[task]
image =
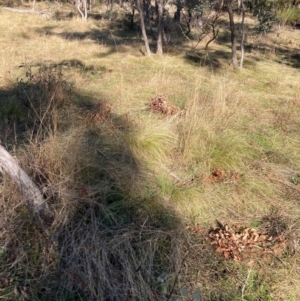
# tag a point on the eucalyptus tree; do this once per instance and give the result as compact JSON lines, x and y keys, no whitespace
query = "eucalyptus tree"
{"x":232,"y":34}
{"x":141,"y":10}
{"x":81,"y":6}
{"x":242,"y":7}
{"x":270,"y":12}
{"x":160,"y":27}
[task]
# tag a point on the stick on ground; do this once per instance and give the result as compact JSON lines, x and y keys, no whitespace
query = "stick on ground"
{"x":26,"y":186}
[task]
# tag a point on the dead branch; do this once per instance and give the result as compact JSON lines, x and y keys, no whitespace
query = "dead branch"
{"x":42,"y":14}
{"x":26,"y":186}
{"x":20,"y":10}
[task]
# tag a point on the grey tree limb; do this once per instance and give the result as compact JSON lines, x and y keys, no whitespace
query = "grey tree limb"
{"x":82,"y":4}
{"x":143,"y":29}
{"x":26,"y":186}
{"x":19,"y":10}
{"x":22,"y":10}
{"x":160,"y":9}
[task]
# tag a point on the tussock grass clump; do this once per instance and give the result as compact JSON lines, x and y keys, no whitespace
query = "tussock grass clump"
{"x":153,"y":141}
{"x":36,"y":106}
{"x":209,"y":135}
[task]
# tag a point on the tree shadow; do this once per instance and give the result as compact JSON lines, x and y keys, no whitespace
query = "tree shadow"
{"x":113,"y":234}
{"x":75,"y":65}
{"x":215,"y":60}
{"x":118,"y":37}
{"x":61,"y":15}
{"x":114,"y":39}
{"x":288,"y":57}
{"x":280,"y":54}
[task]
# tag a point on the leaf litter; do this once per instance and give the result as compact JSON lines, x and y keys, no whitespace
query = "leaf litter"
{"x":243,"y":244}
{"x":160,"y":104}
{"x":218,"y":175}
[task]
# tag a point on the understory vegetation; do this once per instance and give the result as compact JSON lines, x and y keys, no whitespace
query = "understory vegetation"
{"x":170,"y":177}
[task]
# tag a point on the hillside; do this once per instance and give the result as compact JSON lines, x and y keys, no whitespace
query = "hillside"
{"x":170,"y":177}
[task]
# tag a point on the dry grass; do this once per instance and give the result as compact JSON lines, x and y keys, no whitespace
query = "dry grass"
{"x":124,"y":181}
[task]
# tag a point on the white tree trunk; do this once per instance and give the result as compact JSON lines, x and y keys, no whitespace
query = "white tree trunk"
{"x":143,"y":29}
{"x":22,"y":10}
{"x":28,"y":189}
{"x":82,"y":4}
{"x":159,"y":46}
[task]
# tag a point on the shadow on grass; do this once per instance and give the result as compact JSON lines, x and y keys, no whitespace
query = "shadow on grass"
{"x":212,"y":59}
{"x":117,"y":37}
{"x":112,"y":236}
{"x":217,"y":59}
{"x":75,"y":65}
{"x":61,"y":15}
{"x":280,"y":54}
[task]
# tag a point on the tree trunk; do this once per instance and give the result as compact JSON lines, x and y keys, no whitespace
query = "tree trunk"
{"x":28,"y":189}
{"x":85,"y":10}
{"x":111,"y":4}
{"x":90,"y":4}
{"x":81,"y":4}
{"x":160,"y":29}
{"x":147,"y":8}
{"x":177,"y":14}
{"x":188,"y":22}
{"x":243,"y":34}
{"x":233,"y":35}
{"x":143,"y":28}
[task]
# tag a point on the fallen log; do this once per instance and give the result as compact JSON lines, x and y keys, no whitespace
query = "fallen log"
{"x":19,"y":10}
{"x":28,"y":189}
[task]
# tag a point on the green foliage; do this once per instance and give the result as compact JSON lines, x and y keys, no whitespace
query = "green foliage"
{"x":296,"y":179}
{"x":263,"y":10}
{"x":288,"y":15}
{"x":195,"y":7}
{"x":268,"y":12}
{"x":255,"y":289}
{"x":200,"y":7}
